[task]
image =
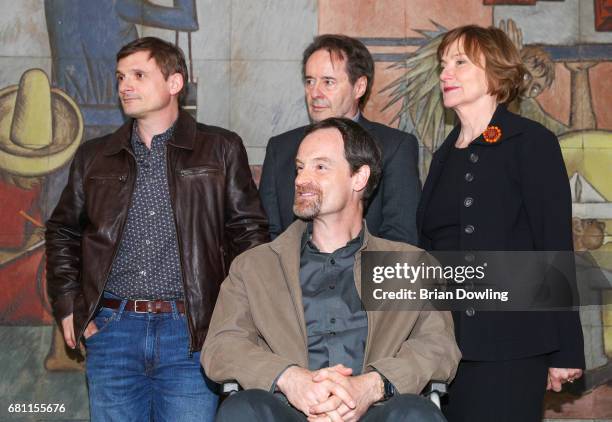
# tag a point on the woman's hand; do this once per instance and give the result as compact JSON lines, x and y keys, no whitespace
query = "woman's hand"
{"x":558,"y":376}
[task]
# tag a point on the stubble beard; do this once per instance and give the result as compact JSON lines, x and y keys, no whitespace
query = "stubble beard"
{"x":307,"y":208}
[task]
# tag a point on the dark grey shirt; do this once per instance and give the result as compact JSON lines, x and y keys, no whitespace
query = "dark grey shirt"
{"x":336,"y":323}
{"x":147,"y":263}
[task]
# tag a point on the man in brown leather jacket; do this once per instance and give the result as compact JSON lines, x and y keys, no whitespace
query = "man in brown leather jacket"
{"x":140,"y":242}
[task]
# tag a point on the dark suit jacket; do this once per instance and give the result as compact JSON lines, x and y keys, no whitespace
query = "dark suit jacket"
{"x":521,"y":201}
{"x":391,"y":213}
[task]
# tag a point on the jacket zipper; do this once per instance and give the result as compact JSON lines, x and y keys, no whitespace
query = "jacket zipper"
{"x":180,"y":251}
{"x":121,"y":178}
{"x":223,"y":265}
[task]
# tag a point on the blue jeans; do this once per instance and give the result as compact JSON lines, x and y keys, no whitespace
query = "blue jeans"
{"x":139,"y":369}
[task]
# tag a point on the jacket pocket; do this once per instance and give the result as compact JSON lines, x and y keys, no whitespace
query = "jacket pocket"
{"x":104,"y":178}
{"x":200,"y":170}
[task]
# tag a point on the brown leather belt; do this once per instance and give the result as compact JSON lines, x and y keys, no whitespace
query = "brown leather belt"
{"x":145,"y":306}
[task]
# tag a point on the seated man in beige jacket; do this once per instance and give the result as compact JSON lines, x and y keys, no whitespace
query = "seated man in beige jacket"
{"x":289,"y":324}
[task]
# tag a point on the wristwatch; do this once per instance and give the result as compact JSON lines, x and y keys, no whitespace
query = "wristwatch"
{"x":389,"y":389}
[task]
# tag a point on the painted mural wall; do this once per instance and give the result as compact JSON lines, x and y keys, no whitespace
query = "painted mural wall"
{"x":567,"y":49}
{"x":57,"y":90}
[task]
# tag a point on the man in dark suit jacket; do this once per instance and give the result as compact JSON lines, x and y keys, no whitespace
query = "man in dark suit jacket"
{"x":338,"y":73}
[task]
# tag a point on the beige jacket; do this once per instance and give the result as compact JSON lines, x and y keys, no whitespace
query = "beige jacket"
{"x":258,"y":329}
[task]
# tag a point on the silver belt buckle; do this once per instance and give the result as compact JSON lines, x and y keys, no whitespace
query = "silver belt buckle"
{"x":136,"y":306}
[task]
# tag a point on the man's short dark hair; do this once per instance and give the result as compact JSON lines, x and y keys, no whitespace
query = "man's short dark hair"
{"x":356,"y":56}
{"x":169,"y":58}
{"x":360,"y":149}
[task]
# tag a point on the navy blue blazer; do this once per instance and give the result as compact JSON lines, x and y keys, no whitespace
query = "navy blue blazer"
{"x":515,"y":197}
{"x":391,"y":213}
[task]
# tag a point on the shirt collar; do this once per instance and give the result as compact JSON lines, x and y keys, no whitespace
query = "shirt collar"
{"x":160,"y":138}
{"x":351,"y":247}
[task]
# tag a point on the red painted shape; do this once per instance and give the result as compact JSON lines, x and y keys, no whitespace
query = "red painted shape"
{"x":500,"y":2}
{"x":14,"y":228}
{"x":603,"y":15}
{"x":23,"y":299}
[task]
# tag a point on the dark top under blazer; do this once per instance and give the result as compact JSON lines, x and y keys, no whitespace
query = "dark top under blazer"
{"x":391,"y":213}
{"x":521,"y":202}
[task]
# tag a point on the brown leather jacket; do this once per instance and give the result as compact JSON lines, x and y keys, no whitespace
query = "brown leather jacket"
{"x":216,"y":210}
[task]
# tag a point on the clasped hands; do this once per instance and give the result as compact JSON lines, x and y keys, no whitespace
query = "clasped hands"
{"x":331,"y":394}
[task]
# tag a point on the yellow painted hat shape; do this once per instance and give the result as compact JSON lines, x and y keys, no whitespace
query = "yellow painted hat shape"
{"x":40,"y":127}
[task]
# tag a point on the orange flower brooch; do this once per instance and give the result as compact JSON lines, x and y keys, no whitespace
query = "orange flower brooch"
{"x":492,"y":134}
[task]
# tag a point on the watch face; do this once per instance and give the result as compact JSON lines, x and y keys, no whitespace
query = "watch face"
{"x":389,"y":389}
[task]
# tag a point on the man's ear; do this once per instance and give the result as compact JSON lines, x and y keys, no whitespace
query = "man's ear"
{"x":359,"y":89}
{"x":175,"y":83}
{"x":360,"y":178}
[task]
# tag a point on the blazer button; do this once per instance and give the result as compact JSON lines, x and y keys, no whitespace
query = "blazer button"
{"x":469,"y":257}
{"x":469,"y":229}
{"x":468,"y":201}
{"x":470,"y":312}
{"x":469,"y":177}
{"x":474,"y":157}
